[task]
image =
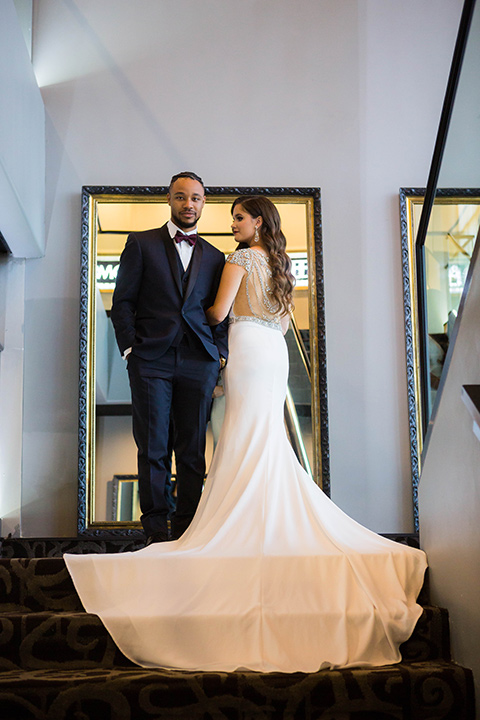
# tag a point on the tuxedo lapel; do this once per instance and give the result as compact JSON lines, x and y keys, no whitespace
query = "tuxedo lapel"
{"x":172,"y":258}
{"x":195,"y":263}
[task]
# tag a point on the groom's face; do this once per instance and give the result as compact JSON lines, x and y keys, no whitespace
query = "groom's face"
{"x":186,"y":199}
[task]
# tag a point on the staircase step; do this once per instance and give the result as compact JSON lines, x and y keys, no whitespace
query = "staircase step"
{"x":45,"y":640}
{"x":106,"y":542}
{"x":79,"y":640}
{"x":430,"y":639}
{"x":58,"y":662}
{"x":436,"y":691}
{"x":36,"y":584}
{"x":42,"y":585}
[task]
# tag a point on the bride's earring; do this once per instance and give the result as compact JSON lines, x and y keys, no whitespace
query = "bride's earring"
{"x":256,"y":237}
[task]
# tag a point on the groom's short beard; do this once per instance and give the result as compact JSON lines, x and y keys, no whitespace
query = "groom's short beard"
{"x":183,"y":224}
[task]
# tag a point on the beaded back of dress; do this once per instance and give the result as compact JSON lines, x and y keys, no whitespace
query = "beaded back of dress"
{"x":254,"y":300}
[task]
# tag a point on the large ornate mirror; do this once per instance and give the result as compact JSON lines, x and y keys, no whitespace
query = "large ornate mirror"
{"x":451,"y":235}
{"x":108,"y":497}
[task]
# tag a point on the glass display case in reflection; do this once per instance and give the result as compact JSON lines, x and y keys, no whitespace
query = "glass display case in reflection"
{"x":107,"y":450}
{"x":452,"y":231}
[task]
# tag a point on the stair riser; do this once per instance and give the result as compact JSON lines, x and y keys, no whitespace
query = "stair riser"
{"x":415,"y":692}
{"x":37,"y":585}
{"x":430,"y":639}
{"x":39,"y":641}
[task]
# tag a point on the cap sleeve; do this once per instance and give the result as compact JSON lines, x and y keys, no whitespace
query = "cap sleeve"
{"x":241,"y":257}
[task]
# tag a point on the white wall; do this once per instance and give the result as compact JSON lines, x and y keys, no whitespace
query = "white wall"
{"x":449,"y":495}
{"x":342,"y":95}
{"x":22,"y":143}
{"x":12,"y":289}
{"x":22,"y":212}
{"x":24,"y":10}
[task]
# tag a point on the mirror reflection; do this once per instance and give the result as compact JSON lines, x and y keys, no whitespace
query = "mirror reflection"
{"x":451,"y":235}
{"x":108,"y":494}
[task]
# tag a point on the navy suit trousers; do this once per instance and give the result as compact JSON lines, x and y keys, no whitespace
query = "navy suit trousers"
{"x":171,"y":402}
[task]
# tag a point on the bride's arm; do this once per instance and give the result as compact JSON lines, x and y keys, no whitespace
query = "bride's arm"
{"x":285,"y":322}
{"x":230,"y":282}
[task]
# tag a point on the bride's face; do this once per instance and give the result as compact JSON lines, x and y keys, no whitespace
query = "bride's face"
{"x":243,"y":225}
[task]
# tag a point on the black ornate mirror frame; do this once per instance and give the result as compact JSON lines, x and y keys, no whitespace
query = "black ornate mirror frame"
{"x":317,"y":316}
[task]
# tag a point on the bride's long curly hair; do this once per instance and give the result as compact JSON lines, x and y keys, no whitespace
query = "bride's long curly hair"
{"x":275,"y":243}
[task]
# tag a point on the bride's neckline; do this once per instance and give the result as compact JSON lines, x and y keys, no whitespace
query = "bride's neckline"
{"x":259,"y":252}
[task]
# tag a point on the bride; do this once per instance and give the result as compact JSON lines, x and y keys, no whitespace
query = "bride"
{"x":270,"y":575}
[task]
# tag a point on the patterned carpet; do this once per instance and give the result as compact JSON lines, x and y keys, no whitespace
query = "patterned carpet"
{"x":58,"y":663}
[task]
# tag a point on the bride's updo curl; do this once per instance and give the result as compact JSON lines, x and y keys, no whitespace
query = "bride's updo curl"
{"x":275,"y":243}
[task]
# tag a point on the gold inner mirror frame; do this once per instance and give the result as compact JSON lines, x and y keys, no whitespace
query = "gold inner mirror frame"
{"x":107,"y":453}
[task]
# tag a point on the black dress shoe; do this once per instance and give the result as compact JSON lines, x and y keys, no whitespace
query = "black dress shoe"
{"x":160,"y":536}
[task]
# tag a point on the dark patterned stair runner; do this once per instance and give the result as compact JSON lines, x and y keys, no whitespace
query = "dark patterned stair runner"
{"x":59,"y":663}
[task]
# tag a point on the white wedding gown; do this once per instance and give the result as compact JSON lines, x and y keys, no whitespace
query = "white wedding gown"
{"x":270,"y":575}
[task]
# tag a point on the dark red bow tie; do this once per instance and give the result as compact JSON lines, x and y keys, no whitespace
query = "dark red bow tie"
{"x":192,"y":239}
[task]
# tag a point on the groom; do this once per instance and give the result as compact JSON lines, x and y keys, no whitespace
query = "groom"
{"x":167,"y":278}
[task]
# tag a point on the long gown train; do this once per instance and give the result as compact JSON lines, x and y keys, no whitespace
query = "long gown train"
{"x":271,"y":575}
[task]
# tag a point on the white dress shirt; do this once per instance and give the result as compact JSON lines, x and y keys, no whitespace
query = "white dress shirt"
{"x":184,"y":249}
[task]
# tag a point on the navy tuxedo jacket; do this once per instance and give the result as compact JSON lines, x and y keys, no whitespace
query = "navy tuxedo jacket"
{"x":150,"y":303}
